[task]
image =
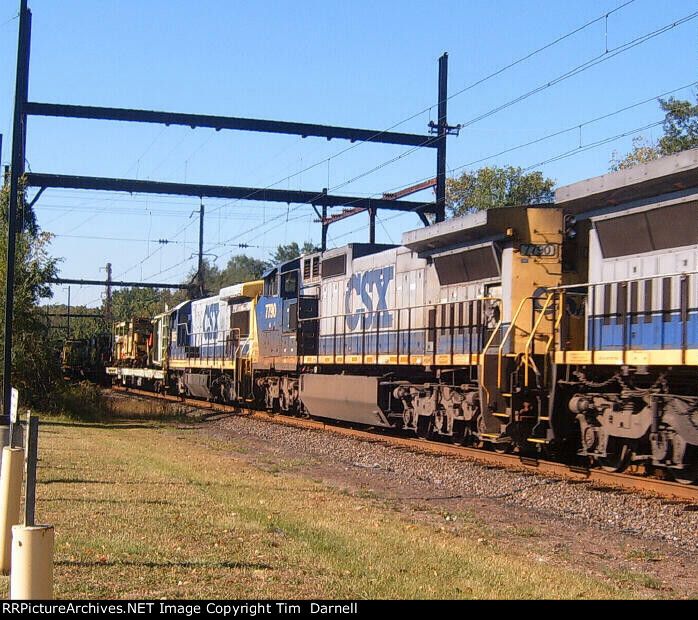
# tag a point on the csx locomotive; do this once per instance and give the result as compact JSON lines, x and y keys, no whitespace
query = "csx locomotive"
{"x":564,"y":328}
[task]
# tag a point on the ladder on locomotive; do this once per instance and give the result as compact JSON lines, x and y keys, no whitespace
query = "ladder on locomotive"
{"x":516,"y":384}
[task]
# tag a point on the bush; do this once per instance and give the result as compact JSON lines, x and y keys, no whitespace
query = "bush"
{"x":81,"y":401}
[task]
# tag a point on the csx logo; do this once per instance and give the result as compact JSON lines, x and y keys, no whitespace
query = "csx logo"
{"x":270,"y":311}
{"x":363,"y":285}
{"x":210,"y":322}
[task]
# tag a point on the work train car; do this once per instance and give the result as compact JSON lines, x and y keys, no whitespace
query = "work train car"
{"x":569,"y":328}
{"x":87,"y":358}
{"x":132,"y":341}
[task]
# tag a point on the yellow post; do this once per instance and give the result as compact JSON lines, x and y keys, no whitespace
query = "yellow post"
{"x":10,"y":494}
{"x":32,"y":562}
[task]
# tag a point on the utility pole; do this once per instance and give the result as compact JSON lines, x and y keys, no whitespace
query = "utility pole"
{"x":107,"y":309}
{"x":442,"y":129}
{"x":323,"y":245}
{"x":200,"y":274}
{"x":16,"y":171}
{"x":441,"y":147}
{"x":68,"y":315}
{"x":325,"y":225}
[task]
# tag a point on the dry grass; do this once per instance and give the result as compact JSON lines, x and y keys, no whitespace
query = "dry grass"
{"x":144,"y":509}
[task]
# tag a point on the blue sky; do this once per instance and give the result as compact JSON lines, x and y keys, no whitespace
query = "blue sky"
{"x":360,"y":64}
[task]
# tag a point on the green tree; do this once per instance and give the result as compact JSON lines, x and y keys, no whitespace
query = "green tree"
{"x":643,"y":151}
{"x":291,"y":250}
{"x":495,"y":186}
{"x":242,"y":268}
{"x":129,"y":302}
{"x":35,"y":364}
{"x":680,"y":128}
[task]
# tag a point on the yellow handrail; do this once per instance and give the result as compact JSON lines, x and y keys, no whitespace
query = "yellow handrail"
{"x":529,"y":342}
{"x":512,"y":325}
{"x":495,"y":331}
{"x":555,"y":330}
{"x":558,"y":320}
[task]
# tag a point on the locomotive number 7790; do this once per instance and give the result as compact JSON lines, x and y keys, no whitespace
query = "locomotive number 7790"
{"x":538,"y":249}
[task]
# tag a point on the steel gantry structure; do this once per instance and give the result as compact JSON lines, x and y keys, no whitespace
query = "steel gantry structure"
{"x":24,"y":108}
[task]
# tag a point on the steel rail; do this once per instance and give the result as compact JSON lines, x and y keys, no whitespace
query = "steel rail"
{"x":618,"y":481}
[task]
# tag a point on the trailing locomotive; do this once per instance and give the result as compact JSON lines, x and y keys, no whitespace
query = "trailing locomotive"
{"x":632,"y":386}
{"x":566,"y":328}
{"x":202,"y":348}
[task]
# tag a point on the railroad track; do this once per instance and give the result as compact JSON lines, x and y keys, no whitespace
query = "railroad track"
{"x":595,"y":477}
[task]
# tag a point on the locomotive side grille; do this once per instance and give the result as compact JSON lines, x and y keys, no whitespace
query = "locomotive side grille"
{"x":336,"y":266}
{"x":666,"y":300}
{"x":468,"y":266}
{"x":657,"y":229}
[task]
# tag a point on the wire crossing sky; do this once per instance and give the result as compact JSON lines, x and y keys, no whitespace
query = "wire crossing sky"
{"x":545,"y":85}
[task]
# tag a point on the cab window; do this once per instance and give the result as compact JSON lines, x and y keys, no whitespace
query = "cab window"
{"x":270,"y":287}
{"x":289,"y":284}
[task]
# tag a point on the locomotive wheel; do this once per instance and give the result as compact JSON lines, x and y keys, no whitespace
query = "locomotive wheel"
{"x":618,"y":457}
{"x":689,"y":474}
{"x":425,"y":427}
{"x":502,"y":448}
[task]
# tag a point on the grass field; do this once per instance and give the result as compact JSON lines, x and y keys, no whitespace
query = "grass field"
{"x":152,"y":509}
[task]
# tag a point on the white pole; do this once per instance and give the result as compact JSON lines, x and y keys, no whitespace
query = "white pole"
{"x":10,"y":494}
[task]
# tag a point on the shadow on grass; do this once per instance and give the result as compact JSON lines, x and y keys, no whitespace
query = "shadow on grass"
{"x":88,"y":481}
{"x":134,"y":482}
{"x":88,"y":500}
{"x":126,"y":425}
{"x":93,"y":564}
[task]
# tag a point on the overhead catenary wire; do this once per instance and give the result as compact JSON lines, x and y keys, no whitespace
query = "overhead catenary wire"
{"x":583,"y":67}
{"x":463,"y":90}
{"x":593,"y":145}
{"x":158,"y":241}
{"x":554,"y":134}
{"x":112,"y":199}
{"x":575,"y":71}
{"x":378,"y":167}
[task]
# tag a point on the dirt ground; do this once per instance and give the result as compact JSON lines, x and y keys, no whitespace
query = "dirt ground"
{"x":590,"y":549}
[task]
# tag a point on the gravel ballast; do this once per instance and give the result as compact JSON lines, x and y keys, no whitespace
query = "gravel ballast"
{"x":651,"y":518}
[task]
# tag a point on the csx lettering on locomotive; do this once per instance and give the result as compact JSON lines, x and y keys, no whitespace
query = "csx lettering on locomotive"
{"x":362,"y":284}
